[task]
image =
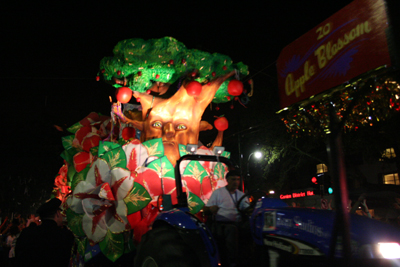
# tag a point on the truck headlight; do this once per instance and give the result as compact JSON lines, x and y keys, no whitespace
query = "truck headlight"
{"x":389,"y":250}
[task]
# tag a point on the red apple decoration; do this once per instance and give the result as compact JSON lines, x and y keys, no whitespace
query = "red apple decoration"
{"x":171,"y":62}
{"x":221,"y":124}
{"x":235,"y":87}
{"x":128,"y":133}
{"x":123,"y":94}
{"x":193,"y":88}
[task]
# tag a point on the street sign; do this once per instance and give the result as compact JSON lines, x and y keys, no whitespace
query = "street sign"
{"x":351,"y":42}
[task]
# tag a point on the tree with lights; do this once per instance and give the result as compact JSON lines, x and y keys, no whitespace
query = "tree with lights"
{"x":143,"y":64}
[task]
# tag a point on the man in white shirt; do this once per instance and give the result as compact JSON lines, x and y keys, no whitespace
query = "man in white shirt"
{"x":222,"y":205}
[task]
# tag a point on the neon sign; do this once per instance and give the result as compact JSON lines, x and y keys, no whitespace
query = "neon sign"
{"x":307,"y":193}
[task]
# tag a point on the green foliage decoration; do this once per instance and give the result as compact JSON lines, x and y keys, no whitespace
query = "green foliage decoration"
{"x":112,"y":245}
{"x":142,"y":62}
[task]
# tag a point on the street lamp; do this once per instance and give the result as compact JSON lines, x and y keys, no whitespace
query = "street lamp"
{"x":257,"y":155}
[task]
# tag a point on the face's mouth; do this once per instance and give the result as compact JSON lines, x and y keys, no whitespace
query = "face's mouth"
{"x":172,"y":143}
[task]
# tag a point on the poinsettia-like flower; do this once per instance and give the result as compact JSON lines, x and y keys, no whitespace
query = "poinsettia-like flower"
{"x":219,"y":175}
{"x":91,"y":130}
{"x":101,"y":198}
{"x":201,"y":181}
{"x":156,"y":186}
{"x":61,"y":179}
{"x":207,"y":165}
{"x":136,"y":154}
{"x":61,"y":187}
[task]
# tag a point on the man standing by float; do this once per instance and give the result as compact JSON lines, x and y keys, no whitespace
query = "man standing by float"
{"x":222,"y":205}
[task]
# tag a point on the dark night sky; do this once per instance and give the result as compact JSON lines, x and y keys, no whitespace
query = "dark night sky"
{"x":50,"y":53}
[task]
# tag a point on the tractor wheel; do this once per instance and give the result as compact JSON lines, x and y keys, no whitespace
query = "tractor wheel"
{"x":163,"y":247}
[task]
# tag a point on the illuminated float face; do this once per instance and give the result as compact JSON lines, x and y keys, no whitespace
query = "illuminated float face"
{"x":176,"y":121}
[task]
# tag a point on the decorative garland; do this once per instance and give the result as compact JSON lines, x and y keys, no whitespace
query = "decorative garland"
{"x":376,"y":98}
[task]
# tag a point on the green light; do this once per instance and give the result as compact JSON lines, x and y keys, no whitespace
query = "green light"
{"x":330,"y":190}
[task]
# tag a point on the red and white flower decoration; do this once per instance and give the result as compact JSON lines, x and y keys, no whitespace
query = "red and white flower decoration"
{"x":101,"y":198}
{"x":136,"y":155}
{"x":155,"y":185}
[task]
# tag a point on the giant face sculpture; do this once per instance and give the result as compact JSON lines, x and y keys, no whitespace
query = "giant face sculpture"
{"x":173,"y":124}
{"x":176,"y":120}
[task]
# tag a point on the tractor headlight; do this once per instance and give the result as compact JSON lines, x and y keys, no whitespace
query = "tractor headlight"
{"x":389,"y":250}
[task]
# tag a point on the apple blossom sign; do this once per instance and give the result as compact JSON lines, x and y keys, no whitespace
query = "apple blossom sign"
{"x":351,"y":42}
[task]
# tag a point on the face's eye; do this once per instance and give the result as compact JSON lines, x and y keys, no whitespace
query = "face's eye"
{"x":157,"y":124}
{"x":181,"y":127}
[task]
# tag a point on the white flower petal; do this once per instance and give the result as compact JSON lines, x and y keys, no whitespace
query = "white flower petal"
{"x":140,"y":153}
{"x":113,"y":224}
{"x":126,"y":186}
{"x":99,"y":168}
{"x":76,"y":203}
{"x":99,"y":232}
{"x":221,"y":183}
{"x":95,"y":231}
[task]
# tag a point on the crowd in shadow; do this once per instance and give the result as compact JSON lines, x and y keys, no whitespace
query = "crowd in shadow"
{"x":10,"y":228}
{"x":42,"y":240}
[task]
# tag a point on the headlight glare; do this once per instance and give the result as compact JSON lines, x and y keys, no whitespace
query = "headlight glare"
{"x":389,"y":250}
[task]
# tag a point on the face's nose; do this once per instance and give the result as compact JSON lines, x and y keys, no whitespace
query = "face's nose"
{"x":168,"y":130}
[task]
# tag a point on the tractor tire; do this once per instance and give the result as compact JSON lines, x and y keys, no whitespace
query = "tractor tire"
{"x":164,"y":247}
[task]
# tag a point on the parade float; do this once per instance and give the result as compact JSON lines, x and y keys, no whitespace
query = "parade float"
{"x":118,"y":168}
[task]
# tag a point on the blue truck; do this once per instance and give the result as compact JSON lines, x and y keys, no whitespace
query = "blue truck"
{"x":280,"y":236}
